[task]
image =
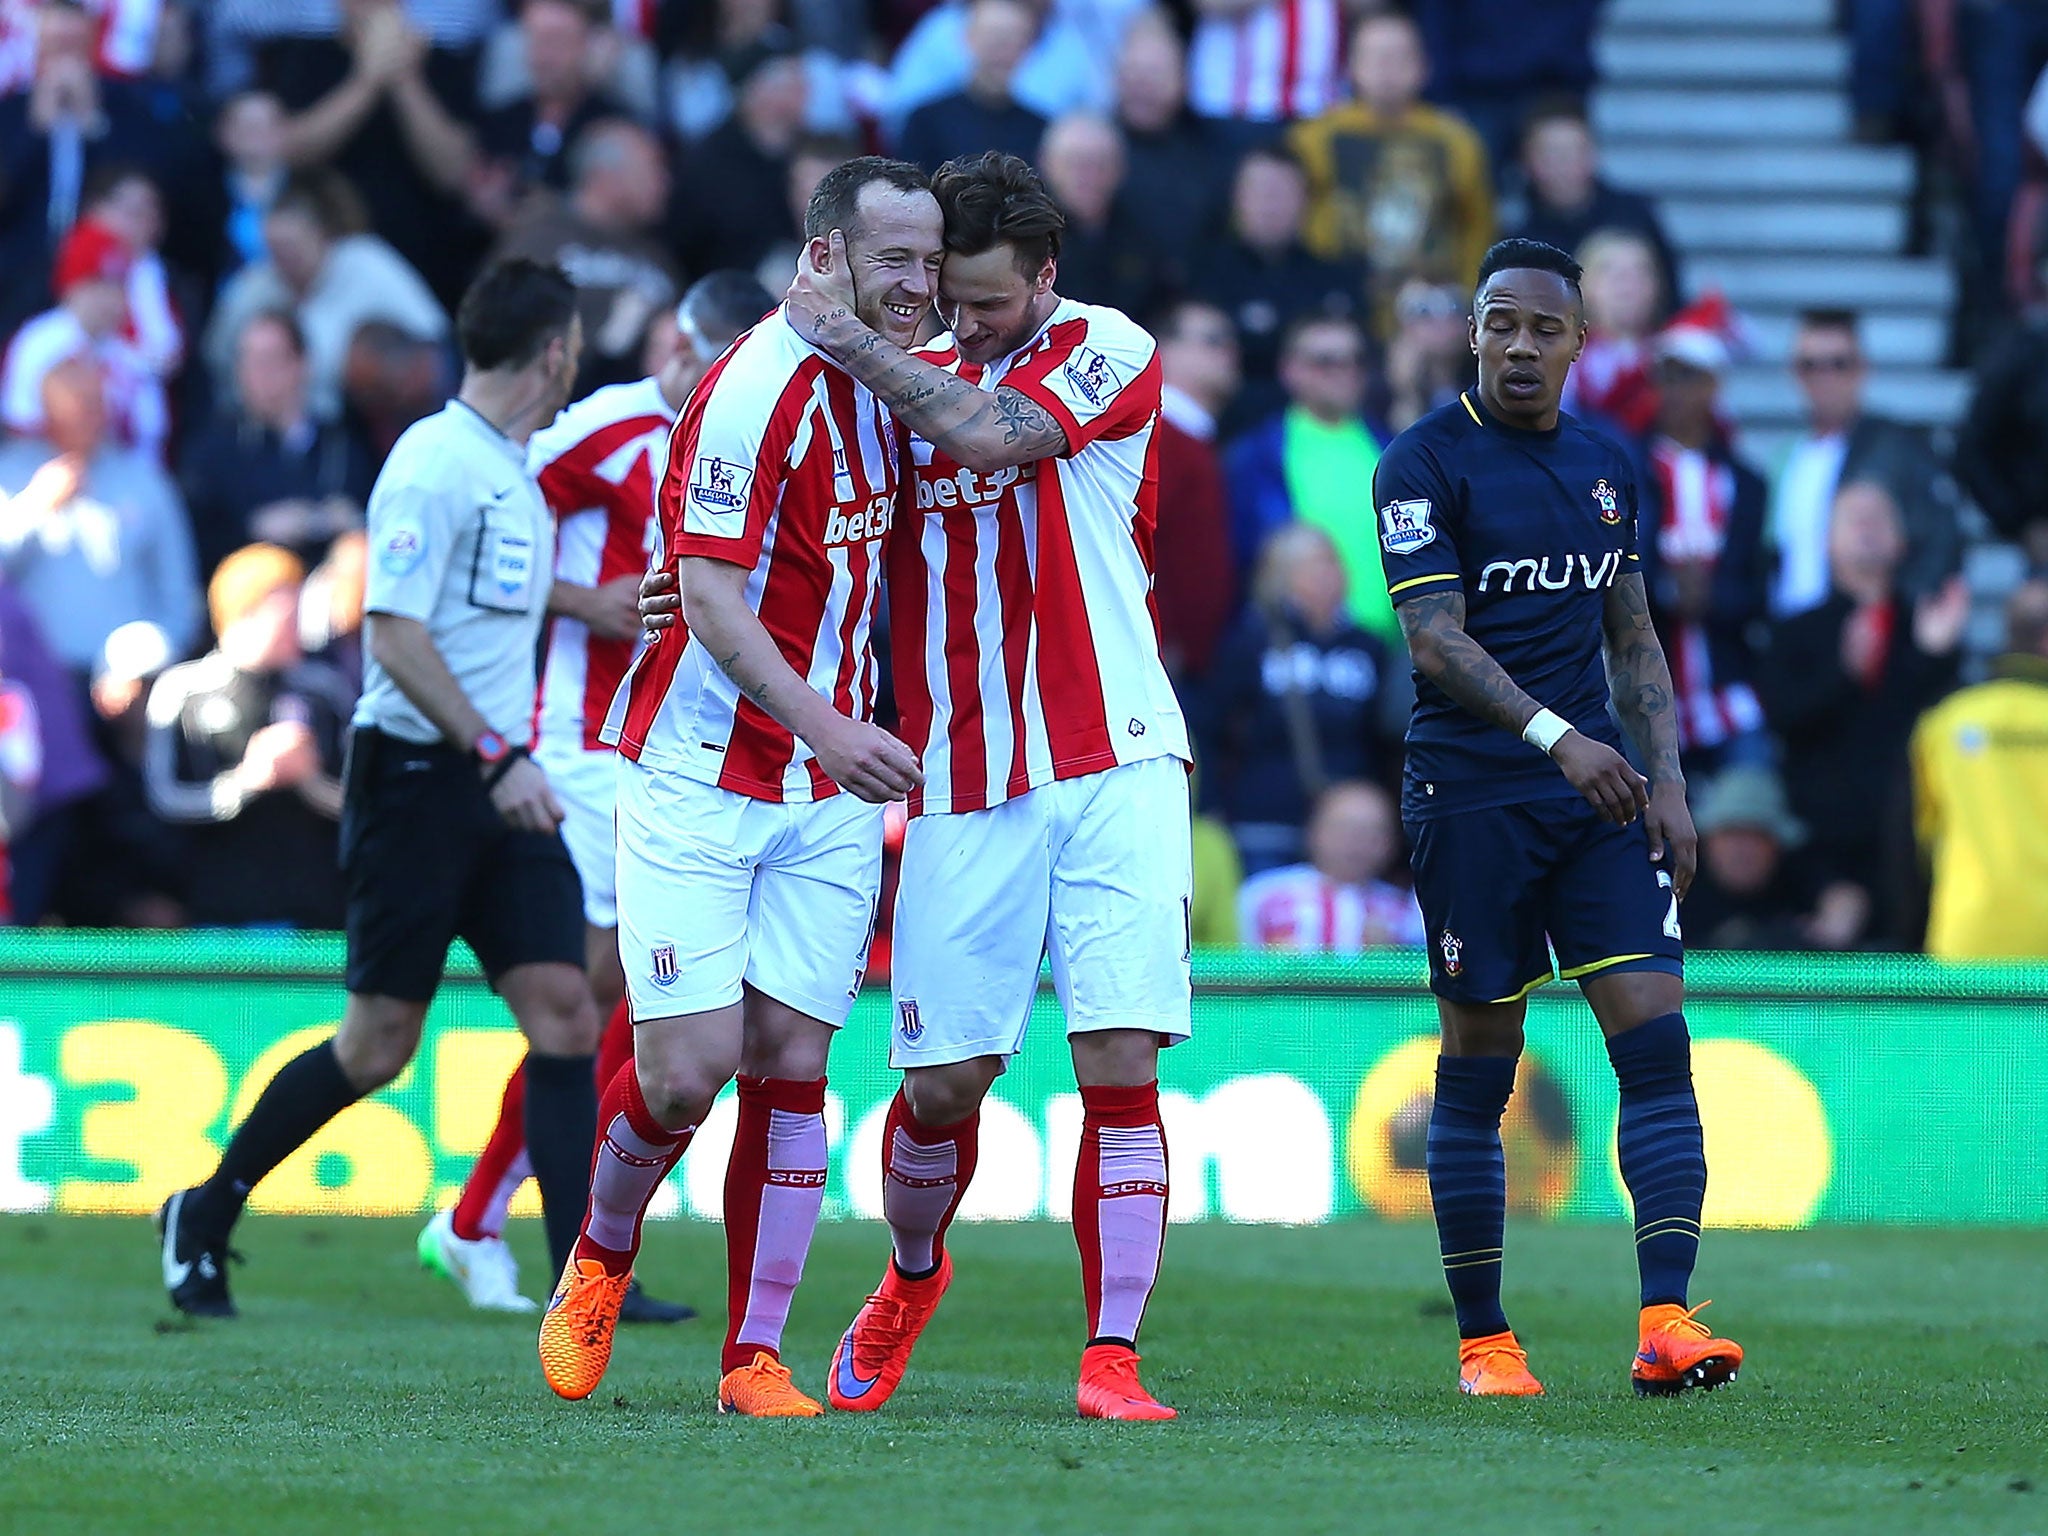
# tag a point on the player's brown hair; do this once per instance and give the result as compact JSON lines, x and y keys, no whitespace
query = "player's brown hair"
{"x":835,"y":204}
{"x":995,"y":199}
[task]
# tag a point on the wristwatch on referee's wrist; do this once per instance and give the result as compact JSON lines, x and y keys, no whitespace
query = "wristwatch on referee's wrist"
{"x":494,"y":757}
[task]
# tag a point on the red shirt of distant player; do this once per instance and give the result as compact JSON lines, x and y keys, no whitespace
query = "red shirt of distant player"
{"x":1025,"y":643}
{"x":783,"y":464}
{"x":597,"y":465}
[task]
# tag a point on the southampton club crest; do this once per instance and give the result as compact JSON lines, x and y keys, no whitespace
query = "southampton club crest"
{"x":1608,"y":502}
{"x":1452,"y":948}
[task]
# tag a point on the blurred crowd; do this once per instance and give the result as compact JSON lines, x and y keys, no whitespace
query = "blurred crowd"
{"x":233,"y":234}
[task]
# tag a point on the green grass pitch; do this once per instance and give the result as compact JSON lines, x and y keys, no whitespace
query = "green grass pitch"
{"x":1896,"y":1384}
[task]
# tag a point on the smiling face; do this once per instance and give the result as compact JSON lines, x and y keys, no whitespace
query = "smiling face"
{"x":1527,"y":329}
{"x":894,"y":247}
{"x":992,"y":305}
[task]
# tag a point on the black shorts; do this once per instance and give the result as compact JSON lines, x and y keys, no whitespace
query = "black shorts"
{"x":427,"y":859}
{"x":1503,"y":889}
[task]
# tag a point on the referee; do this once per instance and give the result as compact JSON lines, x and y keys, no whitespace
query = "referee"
{"x":448,"y":828}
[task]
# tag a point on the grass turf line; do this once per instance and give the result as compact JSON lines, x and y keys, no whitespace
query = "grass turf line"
{"x":1895,"y":1385}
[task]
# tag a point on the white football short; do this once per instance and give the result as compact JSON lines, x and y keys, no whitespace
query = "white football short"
{"x":719,"y":890}
{"x":1094,"y":871}
{"x":586,"y":784}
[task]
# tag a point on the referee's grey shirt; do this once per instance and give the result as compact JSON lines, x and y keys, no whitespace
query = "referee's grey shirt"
{"x":460,"y":540}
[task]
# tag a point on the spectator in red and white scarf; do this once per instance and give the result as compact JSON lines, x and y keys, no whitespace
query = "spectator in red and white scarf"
{"x":1266,"y":61}
{"x":126,"y":200}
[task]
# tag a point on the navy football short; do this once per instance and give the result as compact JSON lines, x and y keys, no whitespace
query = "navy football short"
{"x":1505,"y":888}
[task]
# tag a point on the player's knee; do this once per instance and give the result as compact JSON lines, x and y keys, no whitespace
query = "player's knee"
{"x":679,"y":1090}
{"x":555,"y":1010}
{"x":1116,"y":1058}
{"x":375,"y":1042}
{"x":949,"y":1094}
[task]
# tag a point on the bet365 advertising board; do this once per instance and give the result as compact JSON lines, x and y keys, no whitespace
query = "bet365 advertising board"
{"x":1834,"y":1089}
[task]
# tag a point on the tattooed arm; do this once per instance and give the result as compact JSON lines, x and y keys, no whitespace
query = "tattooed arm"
{"x":1640,"y":680}
{"x":860,"y":757}
{"x":1434,"y":624}
{"x":985,"y":430}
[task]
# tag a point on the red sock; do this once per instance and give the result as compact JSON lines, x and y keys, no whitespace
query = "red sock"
{"x":774,"y":1187}
{"x":480,"y":1212}
{"x":925,"y":1171}
{"x":615,"y":1048}
{"x":634,"y":1154}
{"x":1120,"y":1205}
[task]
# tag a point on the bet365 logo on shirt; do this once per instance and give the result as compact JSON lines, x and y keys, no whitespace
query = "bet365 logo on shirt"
{"x":858,"y":525}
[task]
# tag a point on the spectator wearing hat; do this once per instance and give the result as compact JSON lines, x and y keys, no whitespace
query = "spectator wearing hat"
{"x":93,"y":536}
{"x":1842,"y":685}
{"x":1393,"y":182}
{"x":1340,"y":901}
{"x":243,"y":751}
{"x":1568,"y":202}
{"x":1843,"y":442}
{"x":332,"y":279}
{"x":1702,"y":544}
{"x":730,"y":204}
{"x":1980,"y":787}
{"x":1313,"y":462}
{"x":90,"y":321}
{"x":607,"y":237}
{"x":982,"y":114}
{"x":1750,"y":893}
{"x":1265,"y":278}
{"x":267,"y":468}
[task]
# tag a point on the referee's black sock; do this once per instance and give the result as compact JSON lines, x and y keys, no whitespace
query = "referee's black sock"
{"x":308,"y":1091}
{"x":561,"y":1133}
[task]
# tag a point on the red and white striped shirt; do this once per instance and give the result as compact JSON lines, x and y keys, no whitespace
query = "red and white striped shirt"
{"x":1698,"y":494}
{"x":1300,"y":908}
{"x":781,"y":463}
{"x":1274,"y":62}
{"x":1025,"y":642}
{"x":598,"y":464}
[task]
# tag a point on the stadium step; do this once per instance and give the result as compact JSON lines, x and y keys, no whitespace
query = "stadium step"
{"x":1760,"y":394}
{"x":1895,"y":340}
{"x":1917,"y":284}
{"x":1721,"y":15}
{"x":1743,"y":225}
{"x":1718,"y":115}
{"x":1665,"y":166}
{"x":1632,"y":57}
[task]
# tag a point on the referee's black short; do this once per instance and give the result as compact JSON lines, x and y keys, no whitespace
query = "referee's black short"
{"x":427,"y":859}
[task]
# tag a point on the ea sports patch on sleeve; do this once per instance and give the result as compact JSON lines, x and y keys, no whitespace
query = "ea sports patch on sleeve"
{"x":718,"y":493}
{"x":1405,"y":526}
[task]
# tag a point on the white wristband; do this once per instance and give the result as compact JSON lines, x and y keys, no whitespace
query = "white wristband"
{"x":1544,"y":730}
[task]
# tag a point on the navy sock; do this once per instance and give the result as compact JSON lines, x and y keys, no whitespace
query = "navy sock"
{"x":1663,"y":1158}
{"x":1468,"y":1184}
{"x":308,"y":1091}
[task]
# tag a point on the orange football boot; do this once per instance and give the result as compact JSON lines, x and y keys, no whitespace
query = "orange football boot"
{"x":1679,"y":1353}
{"x":762,"y":1389}
{"x":1110,"y":1388}
{"x":1496,"y":1366}
{"x":576,"y":1329}
{"x":875,"y":1351}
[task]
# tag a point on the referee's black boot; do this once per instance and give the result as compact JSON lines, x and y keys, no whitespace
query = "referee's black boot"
{"x":195,"y":1262}
{"x":639,"y":1307}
